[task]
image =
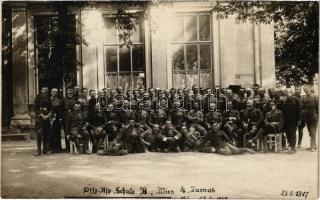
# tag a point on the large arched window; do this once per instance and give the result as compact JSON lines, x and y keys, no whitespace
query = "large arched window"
{"x":191,"y":47}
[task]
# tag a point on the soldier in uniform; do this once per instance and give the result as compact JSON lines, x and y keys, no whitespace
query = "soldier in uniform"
{"x":56,"y":114}
{"x":231,"y":121}
{"x":187,"y":100}
{"x":297,"y":93}
{"x":169,"y":138}
{"x":195,"y":118}
{"x":97,"y":128}
{"x":212,"y":117}
{"x":272,"y":125}
{"x":78,"y":129}
{"x":242,"y":102}
{"x":42,"y":107}
{"x":67,"y":106}
{"x":292,"y":117}
{"x":83,"y":100}
{"x":193,"y":138}
{"x":252,"y":120}
{"x":125,"y":114}
{"x":112,"y":122}
{"x":157,"y":116}
{"x":177,"y":116}
{"x":220,"y":143}
{"x":310,"y":105}
{"x":76,"y":91}
{"x":207,"y":100}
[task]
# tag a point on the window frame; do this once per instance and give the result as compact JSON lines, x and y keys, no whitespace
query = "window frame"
{"x":117,"y":45}
{"x":198,"y":43}
{"x":38,"y":47}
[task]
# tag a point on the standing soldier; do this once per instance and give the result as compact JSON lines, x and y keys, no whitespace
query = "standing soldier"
{"x":83,"y":101}
{"x":55,"y":140}
{"x":292,"y":117}
{"x":76,"y":91}
{"x":187,"y":100}
{"x":67,"y":107}
{"x":310,"y":105}
{"x":297,"y":93}
{"x":42,"y":107}
{"x":242,"y":100}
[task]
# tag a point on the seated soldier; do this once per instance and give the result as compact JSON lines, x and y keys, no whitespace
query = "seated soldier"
{"x":231,"y":121}
{"x":125,"y":114}
{"x":157,"y":116}
{"x":220,"y":143}
{"x":169,"y":138}
{"x":272,"y":125}
{"x":195,"y":118}
{"x":212,"y":116}
{"x":112,"y":124}
{"x":79,"y":133}
{"x":97,"y":130}
{"x":252,"y":120}
{"x":177,"y":116}
{"x":127,"y":141}
{"x":148,"y":136}
{"x":193,"y":138}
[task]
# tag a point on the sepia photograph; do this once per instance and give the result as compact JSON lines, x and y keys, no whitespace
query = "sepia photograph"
{"x":160,"y":99}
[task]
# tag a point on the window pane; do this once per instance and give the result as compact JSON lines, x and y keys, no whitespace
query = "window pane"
{"x":205,"y":79}
{"x":111,"y":32}
{"x":44,"y":55}
{"x":125,"y":64}
{"x":192,"y":79}
{"x":125,"y":80}
{"x":204,"y":26}
{"x":111,"y":59}
{"x":111,"y":80}
{"x":179,"y":79}
{"x":138,"y":80}
{"x":137,"y":33}
{"x":71,"y":29}
{"x":178,"y":57}
{"x":70,"y":58}
{"x":137,"y":58}
{"x":205,"y":57}
{"x":191,"y":28}
{"x":177,"y":28}
{"x":192,"y":57}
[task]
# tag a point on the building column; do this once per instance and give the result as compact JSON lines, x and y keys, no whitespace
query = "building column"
{"x":21,"y":118}
{"x":257,"y":55}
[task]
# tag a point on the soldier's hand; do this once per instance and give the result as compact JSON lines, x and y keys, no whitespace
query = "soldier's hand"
{"x":164,"y":139}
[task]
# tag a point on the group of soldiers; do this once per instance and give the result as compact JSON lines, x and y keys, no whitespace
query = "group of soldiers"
{"x":227,"y":121}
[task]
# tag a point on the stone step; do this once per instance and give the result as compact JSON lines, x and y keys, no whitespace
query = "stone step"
{"x":15,"y":136}
{"x":9,"y":131}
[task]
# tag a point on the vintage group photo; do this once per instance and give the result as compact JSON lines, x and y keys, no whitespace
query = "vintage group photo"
{"x":160,"y":99}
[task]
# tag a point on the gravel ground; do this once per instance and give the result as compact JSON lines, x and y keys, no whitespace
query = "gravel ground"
{"x":163,"y":175}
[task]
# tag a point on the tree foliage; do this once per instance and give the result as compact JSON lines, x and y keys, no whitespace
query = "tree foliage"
{"x":296,"y":33}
